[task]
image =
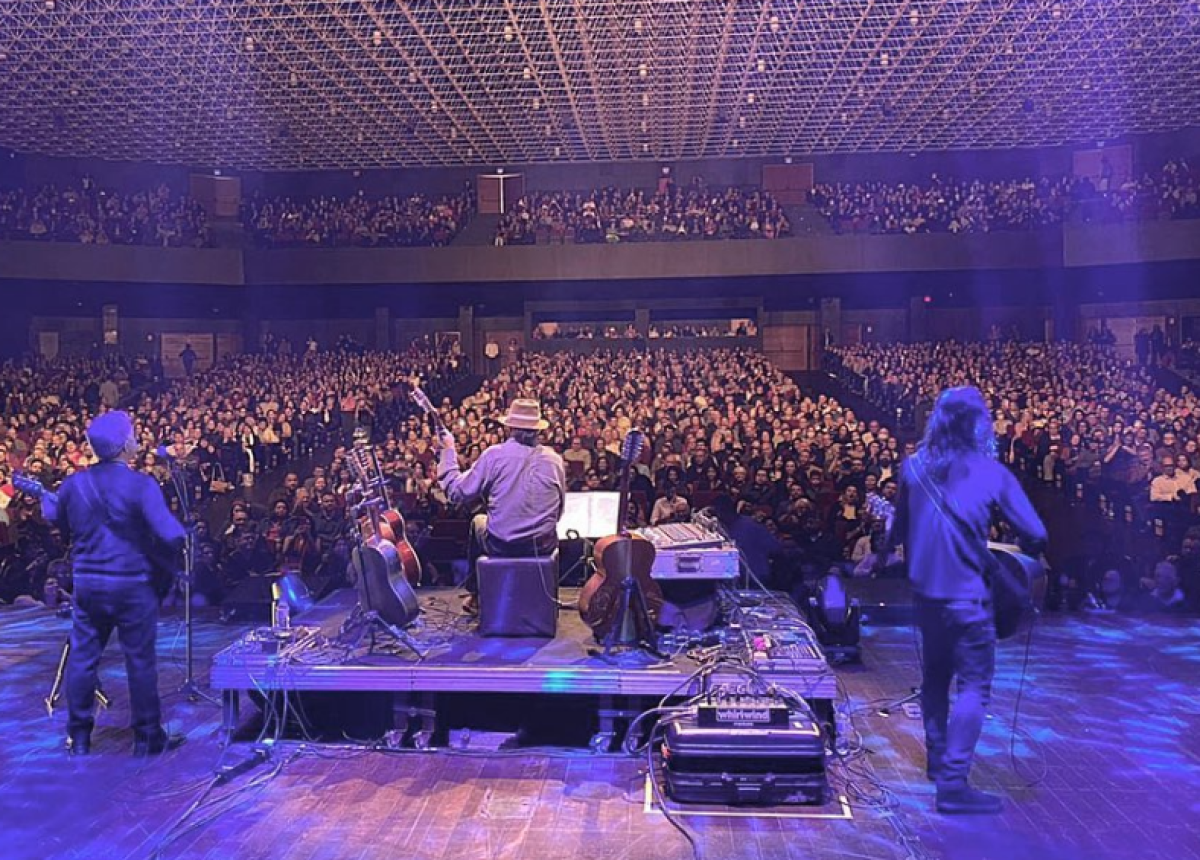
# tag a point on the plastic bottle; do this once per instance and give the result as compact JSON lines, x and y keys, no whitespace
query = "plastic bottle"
{"x":283,"y":613}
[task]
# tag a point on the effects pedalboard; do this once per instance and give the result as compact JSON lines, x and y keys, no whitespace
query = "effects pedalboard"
{"x":781,"y":651}
{"x":277,"y":640}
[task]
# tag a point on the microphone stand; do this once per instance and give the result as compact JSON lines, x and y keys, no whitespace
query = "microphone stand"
{"x":189,"y":687}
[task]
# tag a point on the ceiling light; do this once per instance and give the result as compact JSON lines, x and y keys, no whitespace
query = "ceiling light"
{"x":508,"y":32}
{"x":774,"y":23}
{"x":377,"y":38}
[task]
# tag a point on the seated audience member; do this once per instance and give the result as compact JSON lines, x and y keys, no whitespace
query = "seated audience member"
{"x":1161,"y":593}
{"x":1110,"y":595}
{"x":1187,"y":564}
{"x":668,"y":508}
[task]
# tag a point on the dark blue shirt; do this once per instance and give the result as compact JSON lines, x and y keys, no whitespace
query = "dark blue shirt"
{"x":114,"y":518}
{"x":755,"y":543}
{"x":946,"y":560}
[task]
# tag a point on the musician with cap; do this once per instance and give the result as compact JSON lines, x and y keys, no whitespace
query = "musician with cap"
{"x":521,"y":483}
{"x":113,"y":518}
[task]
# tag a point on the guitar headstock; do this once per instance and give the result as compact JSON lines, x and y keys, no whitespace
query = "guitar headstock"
{"x":632,"y":445}
{"x":361,"y":460}
{"x":422,"y":400}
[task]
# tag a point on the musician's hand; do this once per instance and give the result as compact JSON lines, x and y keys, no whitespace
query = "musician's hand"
{"x":445,"y":438}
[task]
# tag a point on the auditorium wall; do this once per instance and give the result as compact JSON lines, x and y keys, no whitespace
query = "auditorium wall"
{"x":1051,"y":249}
{"x":791,"y":337}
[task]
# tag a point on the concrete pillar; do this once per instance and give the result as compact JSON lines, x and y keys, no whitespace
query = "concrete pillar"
{"x":383,"y":328}
{"x":918,"y":319}
{"x":466,"y":332}
{"x":110,"y":329}
{"x":830,"y":322}
{"x":1065,"y":310}
{"x":641,"y":321}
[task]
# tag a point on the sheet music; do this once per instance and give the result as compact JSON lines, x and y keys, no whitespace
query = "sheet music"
{"x":591,"y":515}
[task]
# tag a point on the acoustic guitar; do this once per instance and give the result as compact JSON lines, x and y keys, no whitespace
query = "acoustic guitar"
{"x":1018,"y":583}
{"x":623,"y":563}
{"x":422,"y":400}
{"x":383,"y":569}
{"x":166,"y":564}
{"x":377,"y":511}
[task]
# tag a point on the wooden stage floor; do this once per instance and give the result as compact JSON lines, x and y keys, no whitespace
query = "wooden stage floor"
{"x":1109,"y":719}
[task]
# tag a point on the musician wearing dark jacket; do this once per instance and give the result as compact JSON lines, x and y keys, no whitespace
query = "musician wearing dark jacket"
{"x":112,"y":517}
{"x":948,"y":491}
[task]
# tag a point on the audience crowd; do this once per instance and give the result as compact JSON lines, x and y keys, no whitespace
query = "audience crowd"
{"x":811,"y":476}
{"x":225,"y":427}
{"x":944,"y":205}
{"x":358,"y":221}
{"x":627,"y":331}
{"x":1072,"y":416}
{"x":613,"y":215}
{"x":95,"y":216}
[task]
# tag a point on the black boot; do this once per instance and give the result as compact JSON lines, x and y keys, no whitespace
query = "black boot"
{"x":157,"y":746}
{"x":967,"y":801}
{"x":78,"y":745}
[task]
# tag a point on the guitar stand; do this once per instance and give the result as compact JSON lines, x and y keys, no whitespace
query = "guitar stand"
{"x":634,"y":626}
{"x":370,"y":621}
{"x":60,"y":672}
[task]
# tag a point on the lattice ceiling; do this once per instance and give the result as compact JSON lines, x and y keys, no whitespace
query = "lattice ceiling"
{"x":289,"y":84}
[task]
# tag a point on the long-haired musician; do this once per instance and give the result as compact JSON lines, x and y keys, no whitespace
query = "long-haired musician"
{"x":949,"y":490}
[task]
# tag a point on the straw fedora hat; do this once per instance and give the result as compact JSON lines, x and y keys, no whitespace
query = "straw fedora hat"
{"x":525,"y":415}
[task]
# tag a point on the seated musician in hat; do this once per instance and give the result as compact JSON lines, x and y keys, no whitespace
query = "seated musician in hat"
{"x":521,"y":483}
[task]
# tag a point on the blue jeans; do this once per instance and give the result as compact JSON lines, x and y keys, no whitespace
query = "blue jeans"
{"x":958,"y":642}
{"x":129,"y":606}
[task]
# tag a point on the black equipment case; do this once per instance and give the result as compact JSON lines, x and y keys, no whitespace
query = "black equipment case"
{"x":766,"y":765}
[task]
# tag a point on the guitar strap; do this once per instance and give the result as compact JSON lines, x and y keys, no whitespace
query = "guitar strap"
{"x":94,"y":497}
{"x":945,"y":507}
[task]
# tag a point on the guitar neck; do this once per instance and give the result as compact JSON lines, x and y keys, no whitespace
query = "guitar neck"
{"x":623,"y":499}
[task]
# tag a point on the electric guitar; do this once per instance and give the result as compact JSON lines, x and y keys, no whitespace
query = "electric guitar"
{"x":165,"y":563}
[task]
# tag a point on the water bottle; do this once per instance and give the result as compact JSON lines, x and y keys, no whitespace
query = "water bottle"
{"x":283,"y":613}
